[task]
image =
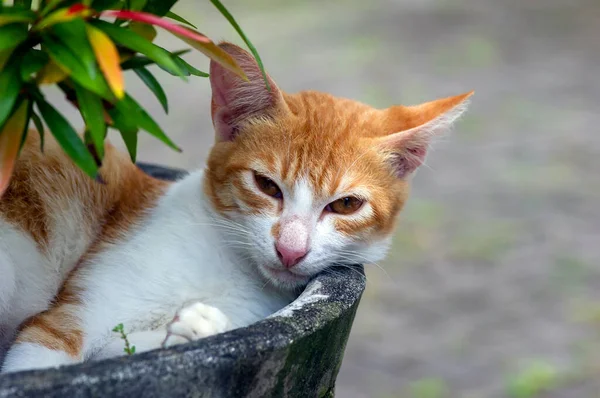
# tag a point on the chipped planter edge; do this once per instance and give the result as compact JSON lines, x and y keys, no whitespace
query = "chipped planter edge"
{"x":296,"y":352}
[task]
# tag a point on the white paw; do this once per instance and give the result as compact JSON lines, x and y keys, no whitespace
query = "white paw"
{"x":194,"y":322}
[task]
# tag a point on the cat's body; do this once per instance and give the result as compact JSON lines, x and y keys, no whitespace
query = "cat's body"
{"x":149,"y":258}
{"x":294,"y":184}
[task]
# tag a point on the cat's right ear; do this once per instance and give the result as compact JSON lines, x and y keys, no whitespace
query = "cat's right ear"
{"x":411,"y":129}
{"x":235,"y":100}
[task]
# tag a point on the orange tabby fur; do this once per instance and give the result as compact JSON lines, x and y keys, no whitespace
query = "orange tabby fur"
{"x":330,"y":138}
{"x":47,"y":182}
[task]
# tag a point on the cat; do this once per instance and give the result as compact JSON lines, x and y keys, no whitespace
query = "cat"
{"x":294,"y":184}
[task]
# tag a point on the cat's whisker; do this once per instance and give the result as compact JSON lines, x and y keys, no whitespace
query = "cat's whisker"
{"x":339,"y":274}
{"x":223,"y":226}
{"x":214,"y":223}
{"x":357,"y":260}
{"x":223,"y":223}
{"x":365,"y":261}
{"x":353,"y":269}
{"x":237,"y":242}
{"x":265,"y":284}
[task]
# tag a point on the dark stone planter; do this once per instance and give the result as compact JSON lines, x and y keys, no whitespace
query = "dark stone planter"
{"x":296,"y":352}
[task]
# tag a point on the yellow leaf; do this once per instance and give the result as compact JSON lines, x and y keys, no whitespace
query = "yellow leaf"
{"x":51,"y":73}
{"x":10,"y":140}
{"x":7,"y":19}
{"x":108,"y":59}
{"x":64,"y":15}
{"x":146,"y":31}
{"x":216,"y":53}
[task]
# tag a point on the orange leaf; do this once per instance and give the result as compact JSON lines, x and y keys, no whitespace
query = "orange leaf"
{"x":108,"y":59}
{"x":216,"y":53}
{"x":51,"y":73}
{"x":10,"y":140}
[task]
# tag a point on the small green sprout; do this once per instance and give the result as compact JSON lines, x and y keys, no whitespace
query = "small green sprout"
{"x":129,"y":349}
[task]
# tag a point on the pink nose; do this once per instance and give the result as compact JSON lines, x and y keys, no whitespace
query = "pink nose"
{"x":289,"y":256}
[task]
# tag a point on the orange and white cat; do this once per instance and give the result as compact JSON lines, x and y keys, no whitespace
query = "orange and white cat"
{"x":294,"y":184}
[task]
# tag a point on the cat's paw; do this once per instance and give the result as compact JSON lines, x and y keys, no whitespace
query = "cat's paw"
{"x":194,"y":322}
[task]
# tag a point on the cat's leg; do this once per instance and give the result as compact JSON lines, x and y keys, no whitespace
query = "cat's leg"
{"x":192,"y":322}
{"x":195,"y":321}
{"x":49,"y":339}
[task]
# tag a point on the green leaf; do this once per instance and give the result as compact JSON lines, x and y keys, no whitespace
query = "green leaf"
{"x":92,"y":111}
{"x":240,"y":32}
{"x":40,"y":128}
{"x":74,"y":35}
{"x":159,"y":7}
{"x":137,"y":5}
{"x":23,"y":3}
{"x":26,"y":125}
{"x":132,"y":109}
{"x":137,"y":43}
{"x":52,"y":4}
{"x":33,"y":61}
{"x":89,"y":144}
{"x":140,"y":61}
{"x":154,"y":86}
{"x":71,"y":64}
{"x":179,"y":18}
{"x":67,"y":138}
{"x":189,"y":68}
{"x":101,"y":5}
{"x":129,"y":131}
{"x":5,"y":56}
{"x":12,"y":15}
{"x":12,"y":35}
{"x":136,"y":62}
{"x":10,"y":85}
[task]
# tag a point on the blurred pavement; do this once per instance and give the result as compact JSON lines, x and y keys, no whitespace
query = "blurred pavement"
{"x":495,"y":273}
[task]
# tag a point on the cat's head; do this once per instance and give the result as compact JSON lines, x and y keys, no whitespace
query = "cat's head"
{"x":309,"y":180}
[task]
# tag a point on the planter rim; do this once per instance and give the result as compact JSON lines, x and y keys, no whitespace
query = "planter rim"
{"x":326,"y":299}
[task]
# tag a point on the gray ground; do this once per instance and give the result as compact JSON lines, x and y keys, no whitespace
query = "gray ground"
{"x":493,"y":286}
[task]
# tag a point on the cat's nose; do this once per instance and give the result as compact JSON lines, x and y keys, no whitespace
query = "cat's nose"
{"x":288,"y":255}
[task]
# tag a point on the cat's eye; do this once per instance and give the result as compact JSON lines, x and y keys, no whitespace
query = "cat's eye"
{"x":267,"y":186}
{"x":347,"y":205}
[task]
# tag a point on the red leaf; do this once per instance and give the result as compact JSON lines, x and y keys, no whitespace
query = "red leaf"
{"x":77,"y":8}
{"x":158,"y":21}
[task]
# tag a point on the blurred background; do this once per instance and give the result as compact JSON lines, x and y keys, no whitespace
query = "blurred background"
{"x":492,"y":288}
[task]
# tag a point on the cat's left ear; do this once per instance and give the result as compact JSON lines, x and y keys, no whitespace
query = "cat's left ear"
{"x":411,"y":129}
{"x":234,"y":100}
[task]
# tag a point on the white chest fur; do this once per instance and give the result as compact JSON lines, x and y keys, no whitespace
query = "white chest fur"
{"x":176,"y":255}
